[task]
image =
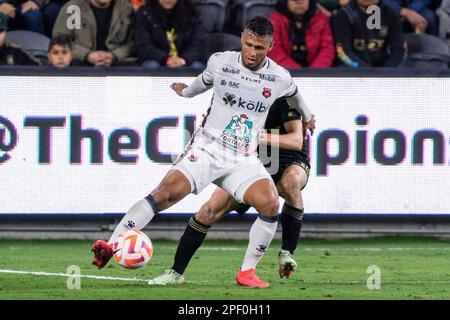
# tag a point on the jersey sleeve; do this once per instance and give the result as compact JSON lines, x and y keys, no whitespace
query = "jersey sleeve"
{"x":289,"y":88}
{"x":208,"y":73}
{"x":289,"y":114}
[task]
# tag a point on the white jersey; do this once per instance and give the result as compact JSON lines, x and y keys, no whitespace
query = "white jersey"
{"x":241,"y":99}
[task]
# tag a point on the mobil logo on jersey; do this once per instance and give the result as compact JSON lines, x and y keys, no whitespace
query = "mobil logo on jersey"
{"x":232,"y":100}
{"x":238,"y":133}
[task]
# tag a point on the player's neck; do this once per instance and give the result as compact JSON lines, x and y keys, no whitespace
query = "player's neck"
{"x":260,"y":66}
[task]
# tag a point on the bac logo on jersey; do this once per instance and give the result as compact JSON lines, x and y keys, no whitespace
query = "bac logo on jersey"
{"x":193,"y":158}
{"x":267,"y":92}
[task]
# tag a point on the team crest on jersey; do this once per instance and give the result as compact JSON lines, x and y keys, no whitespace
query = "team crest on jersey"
{"x":267,"y":92}
{"x":238,"y":133}
{"x":193,"y":158}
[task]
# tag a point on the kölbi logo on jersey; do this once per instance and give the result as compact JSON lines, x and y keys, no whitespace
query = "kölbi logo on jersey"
{"x":230,"y":99}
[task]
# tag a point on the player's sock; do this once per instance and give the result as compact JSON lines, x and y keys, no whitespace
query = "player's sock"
{"x":137,"y":217}
{"x":261,"y":235}
{"x":291,"y":222}
{"x":191,"y":240}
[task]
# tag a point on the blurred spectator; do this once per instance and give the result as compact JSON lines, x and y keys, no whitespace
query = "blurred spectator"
{"x":168,"y":33}
{"x":359,"y":46}
{"x":137,"y":4}
{"x":105,"y":36}
{"x":50,"y":12}
{"x":23,"y":14}
{"x":444,"y":16}
{"x":331,"y":7}
{"x":417,"y":14}
{"x":302,"y":36}
{"x":60,"y":52}
{"x":12,"y":54}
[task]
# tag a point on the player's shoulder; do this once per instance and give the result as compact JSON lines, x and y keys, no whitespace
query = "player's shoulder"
{"x":223,"y":56}
{"x":275,"y":68}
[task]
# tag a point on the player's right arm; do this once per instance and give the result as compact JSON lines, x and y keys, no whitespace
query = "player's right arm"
{"x":291,"y":140}
{"x":202,"y":83}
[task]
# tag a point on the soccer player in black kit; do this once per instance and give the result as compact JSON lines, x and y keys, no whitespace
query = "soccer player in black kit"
{"x":290,"y":178}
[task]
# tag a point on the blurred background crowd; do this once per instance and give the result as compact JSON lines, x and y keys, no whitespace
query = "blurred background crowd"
{"x":158,"y":34}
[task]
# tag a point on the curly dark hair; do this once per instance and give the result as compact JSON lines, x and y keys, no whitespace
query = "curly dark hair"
{"x":260,"y":26}
{"x":63,"y":41}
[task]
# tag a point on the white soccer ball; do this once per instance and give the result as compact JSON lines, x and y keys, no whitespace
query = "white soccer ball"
{"x":132,"y":249}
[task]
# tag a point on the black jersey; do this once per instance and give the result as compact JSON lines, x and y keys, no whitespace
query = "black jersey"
{"x":279,"y":113}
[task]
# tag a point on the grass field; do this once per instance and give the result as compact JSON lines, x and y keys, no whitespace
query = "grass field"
{"x":411,"y":268}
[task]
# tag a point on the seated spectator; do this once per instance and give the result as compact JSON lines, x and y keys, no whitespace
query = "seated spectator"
{"x":50,"y":12}
{"x":444,"y":16}
{"x":137,"y":4}
{"x":359,"y":46}
{"x":60,"y":52}
{"x":12,"y":54}
{"x":302,"y":35}
{"x":23,"y":14}
{"x":168,"y":33}
{"x":416,"y":14}
{"x":105,"y":36}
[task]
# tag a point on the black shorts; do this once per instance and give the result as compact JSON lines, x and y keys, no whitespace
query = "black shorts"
{"x":285,"y":162}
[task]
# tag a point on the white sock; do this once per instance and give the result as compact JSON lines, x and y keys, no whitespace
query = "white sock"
{"x":137,"y":217}
{"x":261,"y":235}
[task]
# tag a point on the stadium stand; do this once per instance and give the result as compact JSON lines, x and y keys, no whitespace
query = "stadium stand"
{"x":213,"y":14}
{"x":244,"y":10}
{"x":35,"y":43}
{"x":217,"y":42}
{"x":427,"y":51}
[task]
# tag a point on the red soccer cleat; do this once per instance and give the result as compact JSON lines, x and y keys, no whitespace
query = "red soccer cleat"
{"x":248,"y":278}
{"x":102,"y":253}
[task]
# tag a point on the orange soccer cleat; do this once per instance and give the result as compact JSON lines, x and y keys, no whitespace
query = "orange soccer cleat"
{"x":102,"y":253}
{"x":248,"y":278}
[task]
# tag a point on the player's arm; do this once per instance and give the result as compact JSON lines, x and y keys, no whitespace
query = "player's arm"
{"x":291,"y":140}
{"x":202,"y":83}
{"x":297,"y":102}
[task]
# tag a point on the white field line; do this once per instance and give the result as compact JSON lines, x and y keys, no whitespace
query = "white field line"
{"x":324,"y":248}
{"x":49,"y":274}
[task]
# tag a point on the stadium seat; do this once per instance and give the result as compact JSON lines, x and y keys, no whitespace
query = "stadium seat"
{"x":245,"y":10}
{"x":217,"y":42}
{"x":213,"y":14}
{"x":35,"y":43}
{"x":426,"y":51}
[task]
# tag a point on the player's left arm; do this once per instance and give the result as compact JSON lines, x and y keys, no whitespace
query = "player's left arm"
{"x":291,"y":140}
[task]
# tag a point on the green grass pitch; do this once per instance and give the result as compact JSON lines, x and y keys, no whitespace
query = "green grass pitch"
{"x":411,"y":268}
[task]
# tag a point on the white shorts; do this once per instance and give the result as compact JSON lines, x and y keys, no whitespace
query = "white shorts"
{"x":205,"y":161}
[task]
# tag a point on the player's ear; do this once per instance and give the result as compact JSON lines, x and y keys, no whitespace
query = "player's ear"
{"x":271,"y":44}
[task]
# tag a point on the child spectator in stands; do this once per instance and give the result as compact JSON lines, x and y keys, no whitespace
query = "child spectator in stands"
{"x":60,"y":52}
{"x":23,"y":14}
{"x":50,"y":12}
{"x":12,"y":54}
{"x":416,"y":14}
{"x":302,"y":35}
{"x":168,"y":33}
{"x":105,"y":36}
{"x":359,"y":46}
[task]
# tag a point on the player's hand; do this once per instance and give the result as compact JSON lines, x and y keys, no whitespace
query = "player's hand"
{"x":311,"y":125}
{"x":178,"y":87}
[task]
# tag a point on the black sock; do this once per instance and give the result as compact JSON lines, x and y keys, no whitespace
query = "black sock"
{"x":191,"y":240}
{"x":291,"y":222}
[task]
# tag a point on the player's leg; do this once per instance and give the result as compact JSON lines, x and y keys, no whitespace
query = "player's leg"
{"x":219,"y":204}
{"x":293,"y":179}
{"x":174,"y":187}
{"x":262,"y":195}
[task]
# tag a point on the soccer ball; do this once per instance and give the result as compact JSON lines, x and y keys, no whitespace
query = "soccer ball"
{"x":132,"y":249}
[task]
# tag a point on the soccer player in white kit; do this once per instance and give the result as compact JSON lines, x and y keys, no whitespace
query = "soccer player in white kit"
{"x":223,"y":149}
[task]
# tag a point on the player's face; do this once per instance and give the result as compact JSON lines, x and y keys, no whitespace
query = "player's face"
{"x":167,"y":4}
{"x":254,"y":49}
{"x":298,"y":7}
{"x":2,"y":38}
{"x":60,"y":56}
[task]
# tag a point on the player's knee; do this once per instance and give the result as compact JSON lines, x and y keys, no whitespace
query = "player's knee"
{"x":206,"y":214}
{"x":291,"y":182}
{"x":269,"y":205}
